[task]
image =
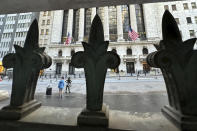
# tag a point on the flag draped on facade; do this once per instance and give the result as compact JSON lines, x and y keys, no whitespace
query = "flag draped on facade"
{"x":68,"y":39}
{"x":132,"y":34}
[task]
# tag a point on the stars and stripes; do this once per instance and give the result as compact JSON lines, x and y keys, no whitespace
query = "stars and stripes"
{"x":132,"y":34}
{"x":68,"y":39}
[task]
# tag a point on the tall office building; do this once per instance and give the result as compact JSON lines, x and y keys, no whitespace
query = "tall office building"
{"x":145,"y":19}
{"x":13,"y":30}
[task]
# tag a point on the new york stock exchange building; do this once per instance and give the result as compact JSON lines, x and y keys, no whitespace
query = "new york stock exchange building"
{"x":73,"y":25}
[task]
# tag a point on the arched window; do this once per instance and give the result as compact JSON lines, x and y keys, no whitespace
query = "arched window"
{"x":129,"y":51}
{"x":72,"y":52}
{"x":60,"y":53}
{"x":145,"y":51}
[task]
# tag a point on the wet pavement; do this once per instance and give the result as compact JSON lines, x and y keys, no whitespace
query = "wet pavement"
{"x":131,"y":102}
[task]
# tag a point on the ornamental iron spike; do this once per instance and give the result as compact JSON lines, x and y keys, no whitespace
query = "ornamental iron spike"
{"x":95,"y":59}
{"x":177,"y":61}
{"x":26,"y":63}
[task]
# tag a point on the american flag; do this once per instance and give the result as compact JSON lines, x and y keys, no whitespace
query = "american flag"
{"x":68,"y":39}
{"x":132,"y":34}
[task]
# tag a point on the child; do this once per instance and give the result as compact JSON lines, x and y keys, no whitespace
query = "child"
{"x":61,"y":86}
{"x":68,"y":81}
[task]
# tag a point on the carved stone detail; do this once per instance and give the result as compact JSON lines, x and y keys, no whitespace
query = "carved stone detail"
{"x":26,"y":63}
{"x":177,"y":61}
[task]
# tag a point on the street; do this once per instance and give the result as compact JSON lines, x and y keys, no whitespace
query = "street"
{"x":126,"y":94}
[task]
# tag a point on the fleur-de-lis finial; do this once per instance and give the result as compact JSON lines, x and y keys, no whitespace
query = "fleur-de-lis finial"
{"x":95,"y":60}
{"x":26,"y":63}
{"x":177,"y":61}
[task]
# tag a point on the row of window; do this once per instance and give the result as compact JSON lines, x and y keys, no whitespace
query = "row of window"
{"x":5,"y":44}
{"x":129,"y":51}
{"x":112,"y":10}
{"x":23,"y":25}
{"x":6,"y":35}
{"x":188,"y":19}
{"x":46,"y":22}
{"x":185,"y":6}
{"x":3,"y":53}
{"x":10,"y":18}
{"x":44,"y":32}
{"x":43,"y":41}
{"x":25,"y":16}
{"x":9,"y":26}
{"x":47,"y":13}
{"x":20,"y":34}
{"x":20,"y":43}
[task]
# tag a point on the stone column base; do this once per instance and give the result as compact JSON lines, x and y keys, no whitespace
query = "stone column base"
{"x":16,"y":113}
{"x":183,"y":122}
{"x":94,"y":118}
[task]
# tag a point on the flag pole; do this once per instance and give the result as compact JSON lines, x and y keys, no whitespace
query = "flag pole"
{"x":129,"y":16}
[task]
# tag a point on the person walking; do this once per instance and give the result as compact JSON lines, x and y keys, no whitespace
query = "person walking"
{"x":61,"y":86}
{"x":68,"y":81}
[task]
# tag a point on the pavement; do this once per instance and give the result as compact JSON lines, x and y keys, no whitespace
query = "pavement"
{"x":127,"y":94}
{"x":138,"y":101}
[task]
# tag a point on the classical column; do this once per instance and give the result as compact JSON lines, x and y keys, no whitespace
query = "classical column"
{"x":93,"y":13}
{"x":106,"y":23}
{"x":81,"y":24}
{"x":56,"y":32}
{"x":133,"y":20}
{"x":70,"y":22}
{"x":119,"y":23}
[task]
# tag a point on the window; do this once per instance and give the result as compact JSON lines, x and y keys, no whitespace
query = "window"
{"x":72,"y":52}
{"x":48,"y":22}
{"x":166,"y":7}
{"x":189,"y":20}
{"x":185,"y":6}
{"x":47,"y":31}
{"x":177,"y":20}
{"x":44,"y":13}
{"x":125,"y":21}
{"x":75,"y":29}
{"x":193,"y":5}
{"x":140,"y":21}
{"x":45,"y":41}
{"x":112,"y":23}
{"x":60,"y":53}
{"x":42,"y":31}
{"x":64,"y":28}
{"x":196,"y":19}
{"x":145,"y":51}
{"x":191,"y":32}
{"x":43,"y":22}
{"x":87,"y":24}
{"x":174,"y":7}
{"x":49,"y":13}
{"x":129,"y":51}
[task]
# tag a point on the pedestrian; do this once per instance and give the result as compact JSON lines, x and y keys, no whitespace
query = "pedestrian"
{"x":68,"y":81}
{"x":61,"y":86}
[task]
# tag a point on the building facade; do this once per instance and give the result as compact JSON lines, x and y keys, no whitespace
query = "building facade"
{"x":13,"y":30}
{"x":56,"y":26}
